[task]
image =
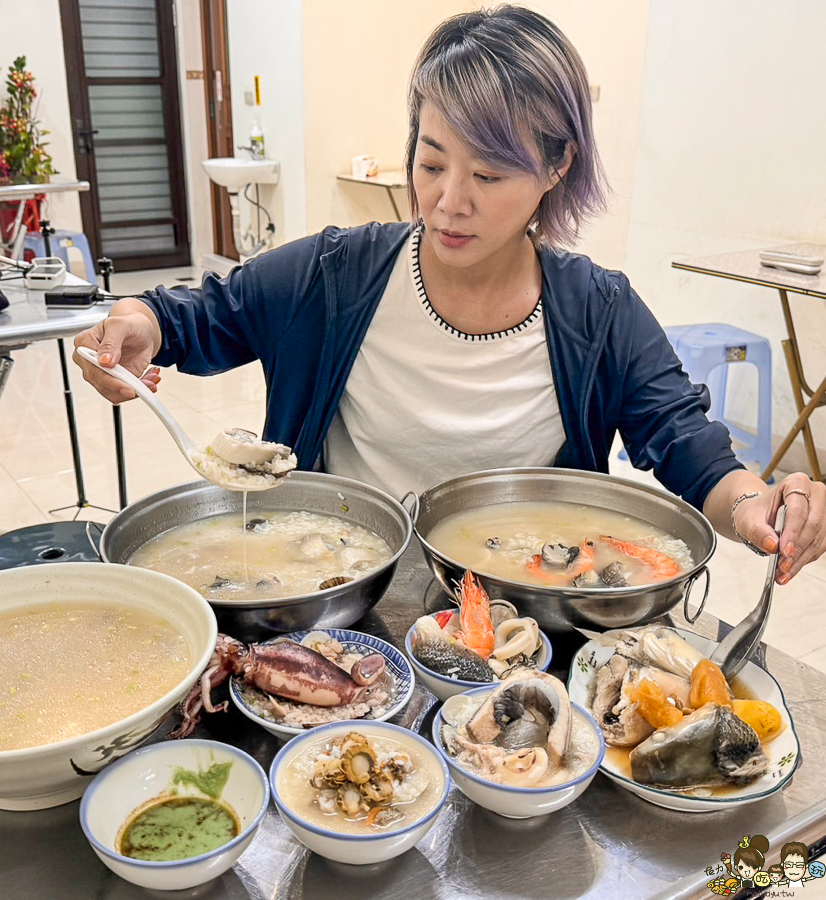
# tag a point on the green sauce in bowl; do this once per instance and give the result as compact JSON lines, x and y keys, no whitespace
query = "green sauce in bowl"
{"x":172,"y":828}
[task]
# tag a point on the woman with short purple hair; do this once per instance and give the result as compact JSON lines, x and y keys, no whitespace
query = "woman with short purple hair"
{"x":405,"y":354}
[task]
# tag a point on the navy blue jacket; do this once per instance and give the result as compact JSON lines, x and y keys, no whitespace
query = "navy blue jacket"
{"x":303,"y":310}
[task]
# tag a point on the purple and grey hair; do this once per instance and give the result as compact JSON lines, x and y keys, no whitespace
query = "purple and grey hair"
{"x":513,"y":88}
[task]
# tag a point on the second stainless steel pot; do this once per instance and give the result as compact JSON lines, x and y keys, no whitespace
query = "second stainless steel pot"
{"x":558,"y":609}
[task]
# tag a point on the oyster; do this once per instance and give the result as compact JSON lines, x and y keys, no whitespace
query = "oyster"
{"x":709,"y":747}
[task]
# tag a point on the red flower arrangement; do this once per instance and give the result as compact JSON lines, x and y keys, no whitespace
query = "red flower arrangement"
{"x":23,"y":157}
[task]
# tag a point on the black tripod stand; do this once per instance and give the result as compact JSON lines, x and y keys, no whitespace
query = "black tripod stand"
{"x":82,"y":502}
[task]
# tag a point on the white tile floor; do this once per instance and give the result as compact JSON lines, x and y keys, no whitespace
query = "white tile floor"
{"x":36,"y":471}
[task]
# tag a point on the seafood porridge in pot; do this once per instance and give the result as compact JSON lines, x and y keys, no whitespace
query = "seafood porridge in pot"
{"x":285,"y":554}
{"x":560,"y":544}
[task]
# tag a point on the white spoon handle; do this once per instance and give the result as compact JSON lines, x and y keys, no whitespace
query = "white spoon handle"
{"x":181,"y":438}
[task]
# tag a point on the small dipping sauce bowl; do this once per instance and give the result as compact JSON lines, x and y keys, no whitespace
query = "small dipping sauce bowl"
{"x":128,"y":784}
{"x":508,"y":800}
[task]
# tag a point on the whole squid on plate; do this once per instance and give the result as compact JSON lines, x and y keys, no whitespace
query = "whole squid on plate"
{"x":284,"y":668}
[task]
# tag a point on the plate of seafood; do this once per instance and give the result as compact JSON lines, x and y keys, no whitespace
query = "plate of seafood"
{"x":678,"y":734}
{"x":307,"y":678}
{"x":482,"y":641}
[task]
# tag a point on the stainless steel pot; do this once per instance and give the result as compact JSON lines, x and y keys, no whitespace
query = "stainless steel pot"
{"x":557,"y":609}
{"x":337,"y":607}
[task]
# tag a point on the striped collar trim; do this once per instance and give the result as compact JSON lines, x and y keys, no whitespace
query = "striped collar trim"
{"x":418,"y":282}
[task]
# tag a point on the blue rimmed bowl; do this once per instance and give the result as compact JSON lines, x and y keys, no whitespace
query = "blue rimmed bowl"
{"x":244,"y":697}
{"x":443,"y":686}
{"x":517,"y":802}
{"x":144,"y":774}
{"x":355,"y":848}
{"x":783,"y":751}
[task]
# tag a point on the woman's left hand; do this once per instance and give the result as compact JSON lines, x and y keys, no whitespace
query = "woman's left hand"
{"x":804,"y":532}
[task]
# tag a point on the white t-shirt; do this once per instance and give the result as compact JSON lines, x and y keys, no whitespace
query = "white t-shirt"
{"x":425,"y":402}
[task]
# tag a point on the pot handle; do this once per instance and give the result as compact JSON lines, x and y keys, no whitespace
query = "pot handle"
{"x":413,"y":512}
{"x":691,"y":582}
{"x":95,"y":546}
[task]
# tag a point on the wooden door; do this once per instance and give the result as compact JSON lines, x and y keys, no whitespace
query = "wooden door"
{"x":123,"y":94}
{"x":219,"y":115}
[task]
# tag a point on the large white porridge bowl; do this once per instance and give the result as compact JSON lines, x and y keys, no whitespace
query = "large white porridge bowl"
{"x":148,"y":773}
{"x":517,"y":802}
{"x":51,"y":774}
{"x":350,"y":848}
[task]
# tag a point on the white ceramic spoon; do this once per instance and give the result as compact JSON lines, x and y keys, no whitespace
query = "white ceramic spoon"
{"x":185,"y":443}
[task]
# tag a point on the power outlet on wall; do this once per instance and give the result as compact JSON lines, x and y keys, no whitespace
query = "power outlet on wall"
{"x":249,"y":98}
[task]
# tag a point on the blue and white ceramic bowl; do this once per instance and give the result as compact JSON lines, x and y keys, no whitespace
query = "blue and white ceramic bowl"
{"x":443,"y":686}
{"x":354,"y":848}
{"x":398,"y":667}
{"x":517,"y":802}
{"x":147,"y":773}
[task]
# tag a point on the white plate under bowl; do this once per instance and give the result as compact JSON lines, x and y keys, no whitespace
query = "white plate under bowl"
{"x":396,"y":663}
{"x":783,"y":752}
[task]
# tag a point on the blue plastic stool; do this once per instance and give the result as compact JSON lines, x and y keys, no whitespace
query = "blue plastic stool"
{"x":706,"y":351}
{"x":60,"y":243}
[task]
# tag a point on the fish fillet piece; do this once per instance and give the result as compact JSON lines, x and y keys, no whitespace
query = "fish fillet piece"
{"x":708,"y":748}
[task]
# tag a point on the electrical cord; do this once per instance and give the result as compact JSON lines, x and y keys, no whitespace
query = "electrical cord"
{"x":263,"y":209}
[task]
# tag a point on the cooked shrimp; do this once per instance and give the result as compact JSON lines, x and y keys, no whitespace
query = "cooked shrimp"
{"x":661,"y":565}
{"x":474,"y":616}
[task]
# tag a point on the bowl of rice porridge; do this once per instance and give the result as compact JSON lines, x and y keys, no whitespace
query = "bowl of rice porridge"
{"x":94,"y":659}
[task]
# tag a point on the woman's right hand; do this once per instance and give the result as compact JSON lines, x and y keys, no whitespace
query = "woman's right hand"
{"x":128,"y":339}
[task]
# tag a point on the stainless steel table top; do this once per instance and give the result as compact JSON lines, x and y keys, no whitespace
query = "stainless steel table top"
{"x":25,"y":191}
{"x":26,"y":319}
{"x":608,"y":843}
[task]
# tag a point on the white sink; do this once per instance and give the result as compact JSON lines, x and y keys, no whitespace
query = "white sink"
{"x":233,"y":173}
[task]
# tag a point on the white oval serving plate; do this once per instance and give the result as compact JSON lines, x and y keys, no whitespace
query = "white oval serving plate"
{"x":783,"y":751}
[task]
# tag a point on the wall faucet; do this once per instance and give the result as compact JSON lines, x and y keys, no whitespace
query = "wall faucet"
{"x":254,"y":151}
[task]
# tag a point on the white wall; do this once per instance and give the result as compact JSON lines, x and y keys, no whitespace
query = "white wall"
{"x":731,"y":157}
{"x":32,"y":29}
{"x":265,"y":40}
{"x":611,"y":39}
{"x":194,"y":128}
